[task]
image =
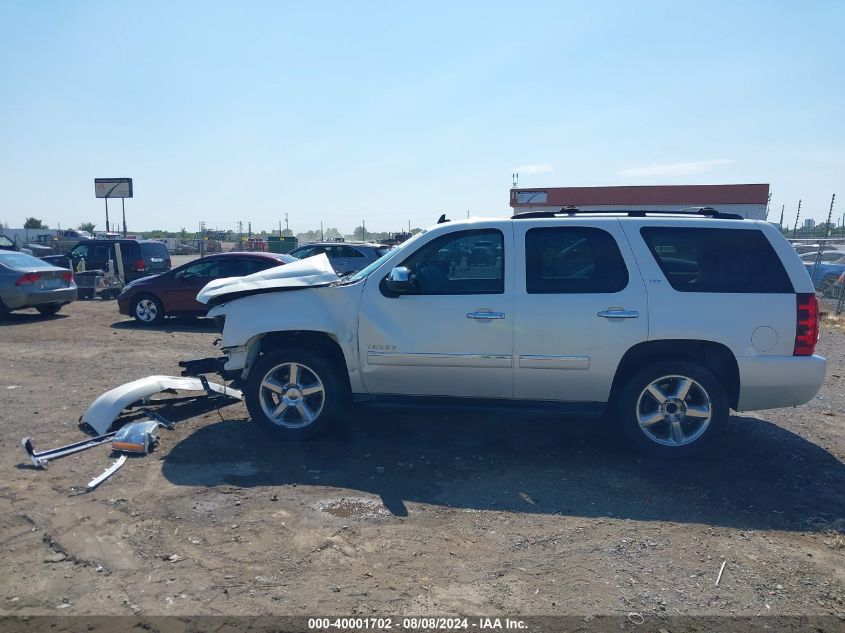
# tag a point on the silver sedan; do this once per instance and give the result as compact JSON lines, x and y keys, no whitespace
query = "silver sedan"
{"x":29,"y":282}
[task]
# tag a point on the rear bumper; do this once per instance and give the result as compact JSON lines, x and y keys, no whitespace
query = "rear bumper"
{"x":17,"y":298}
{"x":769,"y":382}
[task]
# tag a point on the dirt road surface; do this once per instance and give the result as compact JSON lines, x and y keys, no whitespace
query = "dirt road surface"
{"x":398,"y":512}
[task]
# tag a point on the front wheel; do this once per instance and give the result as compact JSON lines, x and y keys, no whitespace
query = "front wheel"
{"x":672,"y":408}
{"x":148,"y":310}
{"x":295,"y":393}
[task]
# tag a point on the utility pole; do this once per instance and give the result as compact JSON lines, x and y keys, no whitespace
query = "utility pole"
{"x":280,"y":228}
{"x":363,"y":230}
{"x":107,"y":213}
{"x":123,"y":207}
{"x":782,"y":209}
{"x":322,"y":237}
{"x":767,"y":205}
{"x":795,"y":228}
{"x":286,"y":222}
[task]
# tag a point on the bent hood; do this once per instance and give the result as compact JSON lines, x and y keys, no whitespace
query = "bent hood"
{"x":306,"y":273}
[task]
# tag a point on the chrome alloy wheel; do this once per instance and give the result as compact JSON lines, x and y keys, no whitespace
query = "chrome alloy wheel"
{"x":292,"y":395}
{"x":146,"y":310}
{"x":674,"y":411}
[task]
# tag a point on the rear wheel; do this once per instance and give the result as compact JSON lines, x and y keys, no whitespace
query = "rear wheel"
{"x":4,"y":311}
{"x":295,"y":393}
{"x":148,"y":310}
{"x":49,"y":309}
{"x":672,"y":408}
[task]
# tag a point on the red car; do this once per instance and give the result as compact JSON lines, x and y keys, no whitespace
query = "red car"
{"x":174,"y":293}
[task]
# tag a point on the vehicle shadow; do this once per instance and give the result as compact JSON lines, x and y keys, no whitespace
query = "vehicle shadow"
{"x":762,"y":476}
{"x":20,"y":318}
{"x":170,"y":324}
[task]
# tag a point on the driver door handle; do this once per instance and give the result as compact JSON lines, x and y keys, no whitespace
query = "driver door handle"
{"x":619,"y":314}
{"x":485,"y":315}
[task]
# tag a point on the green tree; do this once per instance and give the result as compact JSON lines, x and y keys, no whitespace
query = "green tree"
{"x":34,"y":223}
{"x":86,"y":226}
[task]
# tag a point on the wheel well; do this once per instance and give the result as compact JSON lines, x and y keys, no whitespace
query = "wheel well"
{"x":320,"y":342}
{"x":715,"y":356}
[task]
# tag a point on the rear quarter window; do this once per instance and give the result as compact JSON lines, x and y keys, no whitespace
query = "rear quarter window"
{"x":717,"y":260}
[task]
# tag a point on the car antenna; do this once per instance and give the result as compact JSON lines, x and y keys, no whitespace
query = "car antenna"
{"x":442,"y":219}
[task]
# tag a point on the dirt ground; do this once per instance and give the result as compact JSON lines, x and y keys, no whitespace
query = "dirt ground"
{"x":398,"y":512}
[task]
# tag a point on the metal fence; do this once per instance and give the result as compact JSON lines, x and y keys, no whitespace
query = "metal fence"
{"x":824,"y":258}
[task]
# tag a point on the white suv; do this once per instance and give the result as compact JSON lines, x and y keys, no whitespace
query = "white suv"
{"x":664,"y":321}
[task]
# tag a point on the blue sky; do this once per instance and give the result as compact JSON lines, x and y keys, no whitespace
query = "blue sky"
{"x":390,"y":112}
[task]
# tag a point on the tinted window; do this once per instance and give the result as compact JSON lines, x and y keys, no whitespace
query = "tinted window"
{"x":573,"y":260}
{"x":207,"y":268}
{"x":717,"y":260}
{"x":348,"y":252}
{"x":256,"y":265}
{"x":457,"y":264}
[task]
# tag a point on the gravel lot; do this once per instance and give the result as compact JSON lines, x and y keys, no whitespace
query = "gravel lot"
{"x":400,"y":513}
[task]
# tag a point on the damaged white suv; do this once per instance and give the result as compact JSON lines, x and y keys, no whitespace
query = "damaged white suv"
{"x":665,"y":321}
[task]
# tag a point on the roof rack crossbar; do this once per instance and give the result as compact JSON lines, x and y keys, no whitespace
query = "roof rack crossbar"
{"x":709,"y":212}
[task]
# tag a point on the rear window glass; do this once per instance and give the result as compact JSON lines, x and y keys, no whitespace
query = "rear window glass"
{"x":717,"y":260}
{"x":157,"y":249}
{"x":21,"y":260}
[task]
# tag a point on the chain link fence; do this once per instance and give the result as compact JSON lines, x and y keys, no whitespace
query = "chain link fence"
{"x":824,"y":258}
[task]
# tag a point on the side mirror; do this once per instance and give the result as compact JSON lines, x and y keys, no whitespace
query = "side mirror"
{"x":180,"y":276}
{"x":398,"y":282}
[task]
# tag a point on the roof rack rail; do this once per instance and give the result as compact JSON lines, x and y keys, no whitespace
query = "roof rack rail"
{"x":709,"y":212}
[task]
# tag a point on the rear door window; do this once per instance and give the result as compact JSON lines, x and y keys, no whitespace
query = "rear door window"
{"x":573,"y":260}
{"x":717,"y":260}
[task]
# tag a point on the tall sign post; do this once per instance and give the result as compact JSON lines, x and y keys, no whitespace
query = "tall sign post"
{"x":113,"y":188}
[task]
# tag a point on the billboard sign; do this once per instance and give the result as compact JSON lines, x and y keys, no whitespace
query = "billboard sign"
{"x":113,"y":187}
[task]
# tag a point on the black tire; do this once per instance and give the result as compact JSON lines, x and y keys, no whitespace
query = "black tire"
{"x":660,"y":437}
{"x":313,"y":369}
{"x":4,"y":311}
{"x":50,"y":309}
{"x":85,"y":294}
{"x":147,"y":310}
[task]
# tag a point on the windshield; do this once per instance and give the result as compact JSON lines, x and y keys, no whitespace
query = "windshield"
{"x":5,"y":241}
{"x":366,"y":272}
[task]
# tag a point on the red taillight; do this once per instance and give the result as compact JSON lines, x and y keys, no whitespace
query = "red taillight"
{"x":67,"y":276}
{"x":139,"y":265}
{"x":807,"y":326}
{"x":28,"y":279}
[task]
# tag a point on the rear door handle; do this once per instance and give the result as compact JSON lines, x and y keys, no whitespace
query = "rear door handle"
{"x":619,"y":314}
{"x":485,"y":315}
